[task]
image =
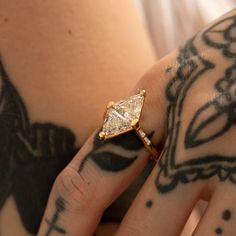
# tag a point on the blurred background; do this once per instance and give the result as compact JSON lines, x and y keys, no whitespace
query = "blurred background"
{"x":171,"y":22}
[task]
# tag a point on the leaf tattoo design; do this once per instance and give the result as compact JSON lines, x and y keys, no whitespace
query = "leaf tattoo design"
{"x":210,"y":121}
{"x":114,"y":154}
{"x":222,"y":35}
{"x":221,"y":110}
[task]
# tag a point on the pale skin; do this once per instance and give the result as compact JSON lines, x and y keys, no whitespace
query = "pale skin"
{"x":197,"y":84}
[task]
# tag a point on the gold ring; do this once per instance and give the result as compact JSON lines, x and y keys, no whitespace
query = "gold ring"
{"x":123,"y":116}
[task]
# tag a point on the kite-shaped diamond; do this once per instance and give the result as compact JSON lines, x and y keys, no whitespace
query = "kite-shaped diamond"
{"x":120,"y":116}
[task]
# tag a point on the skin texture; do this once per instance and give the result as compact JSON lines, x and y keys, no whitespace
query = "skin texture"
{"x":60,"y":207}
{"x":58,"y":71}
{"x":199,"y":155}
{"x":193,"y":91}
{"x":202,"y":129}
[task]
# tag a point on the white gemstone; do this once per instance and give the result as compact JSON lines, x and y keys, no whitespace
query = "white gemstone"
{"x":147,"y":141}
{"x":118,"y":117}
{"x":130,"y":108}
{"x":142,"y":134}
{"x":114,"y":123}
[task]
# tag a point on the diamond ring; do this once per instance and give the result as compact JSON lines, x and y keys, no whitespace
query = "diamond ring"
{"x":123,"y":116}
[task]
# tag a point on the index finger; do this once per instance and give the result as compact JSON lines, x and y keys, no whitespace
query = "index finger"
{"x":103,"y":169}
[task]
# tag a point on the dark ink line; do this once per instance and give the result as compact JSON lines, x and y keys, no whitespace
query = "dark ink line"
{"x":107,"y":159}
{"x":60,"y":207}
{"x":192,"y":67}
{"x":31,"y":149}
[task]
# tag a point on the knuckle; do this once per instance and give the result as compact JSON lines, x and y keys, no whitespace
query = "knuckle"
{"x":74,"y":189}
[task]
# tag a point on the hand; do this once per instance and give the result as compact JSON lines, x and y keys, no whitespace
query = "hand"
{"x":195,"y":91}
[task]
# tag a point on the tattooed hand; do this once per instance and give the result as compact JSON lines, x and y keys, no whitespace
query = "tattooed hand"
{"x":195,"y":91}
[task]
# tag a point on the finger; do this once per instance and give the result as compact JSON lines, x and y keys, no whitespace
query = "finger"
{"x":103,"y":169}
{"x":193,"y":141}
{"x":156,"y":213}
{"x":86,"y":194}
{"x":220,"y":215}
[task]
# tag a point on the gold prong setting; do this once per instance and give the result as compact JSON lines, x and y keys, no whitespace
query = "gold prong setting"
{"x":143,"y":92}
{"x":134,"y":123}
{"x":102,"y":135}
{"x":123,"y":116}
{"x":110,"y":104}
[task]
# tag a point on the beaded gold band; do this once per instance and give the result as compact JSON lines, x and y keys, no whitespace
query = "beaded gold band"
{"x":123,"y":116}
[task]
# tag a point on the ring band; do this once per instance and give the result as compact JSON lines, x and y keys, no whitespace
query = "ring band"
{"x":123,"y":116}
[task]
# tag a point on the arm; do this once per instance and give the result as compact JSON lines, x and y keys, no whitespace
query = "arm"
{"x":60,"y":63}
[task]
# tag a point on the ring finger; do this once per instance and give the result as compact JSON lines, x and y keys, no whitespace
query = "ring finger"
{"x":103,"y":169}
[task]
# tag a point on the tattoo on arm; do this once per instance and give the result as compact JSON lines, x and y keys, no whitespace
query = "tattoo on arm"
{"x":52,"y":224}
{"x":221,"y":38}
{"x":226,"y":215}
{"x":28,"y":150}
{"x":34,"y":148}
{"x":149,"y":203}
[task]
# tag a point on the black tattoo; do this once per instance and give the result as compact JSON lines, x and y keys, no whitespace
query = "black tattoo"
{"x":226,"y":215}
{"x":35,"y":148}
{"x":114,"y":154}
{"x":60,"y":207}
{"x":31,"y":155}
{"x":219,"y":230}
{"x":220,"y":110}
{"x":149,"y":203}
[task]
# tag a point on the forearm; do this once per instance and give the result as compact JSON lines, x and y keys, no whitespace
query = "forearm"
{"x":61,"y":63}
{"x":55,"y":50}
